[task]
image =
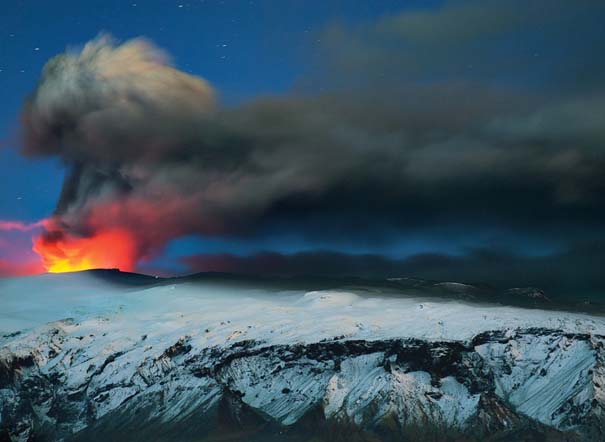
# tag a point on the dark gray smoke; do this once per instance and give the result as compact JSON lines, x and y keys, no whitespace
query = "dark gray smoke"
{"x":414,"y":133}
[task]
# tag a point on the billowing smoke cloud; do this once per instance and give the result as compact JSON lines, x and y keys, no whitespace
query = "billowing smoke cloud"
{"x":150,"y":153}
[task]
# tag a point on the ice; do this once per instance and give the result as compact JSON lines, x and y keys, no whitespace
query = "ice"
{"x":236,"y":313}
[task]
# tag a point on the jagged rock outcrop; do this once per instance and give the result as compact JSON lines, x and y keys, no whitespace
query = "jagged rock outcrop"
{"x":56,"y":385}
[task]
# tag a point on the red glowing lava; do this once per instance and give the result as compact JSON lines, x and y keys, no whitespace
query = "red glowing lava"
{"x":114,"y":248}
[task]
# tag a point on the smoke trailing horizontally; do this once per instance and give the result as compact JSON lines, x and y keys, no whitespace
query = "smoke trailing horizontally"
{"x":152,"y":157}
{"x":19,"y":226}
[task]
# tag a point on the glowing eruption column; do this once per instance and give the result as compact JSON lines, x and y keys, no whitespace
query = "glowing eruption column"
{"x":108,"y":249}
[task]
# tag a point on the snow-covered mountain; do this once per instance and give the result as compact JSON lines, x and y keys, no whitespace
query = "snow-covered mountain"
{"x":124,"y":357}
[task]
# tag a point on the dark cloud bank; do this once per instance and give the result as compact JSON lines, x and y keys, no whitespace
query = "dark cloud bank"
{"x":576,"y":272}
{"x":477,"y":114}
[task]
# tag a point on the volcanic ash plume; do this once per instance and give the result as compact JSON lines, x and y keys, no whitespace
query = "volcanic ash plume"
{"x":151,"y":157}
{"x":121,"y":118}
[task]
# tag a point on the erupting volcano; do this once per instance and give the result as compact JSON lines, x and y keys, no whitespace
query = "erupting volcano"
{"x":62,"y":252}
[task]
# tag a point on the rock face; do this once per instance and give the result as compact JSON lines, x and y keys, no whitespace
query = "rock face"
{"x":55,"y":386}
{"x":177,"y":376}
{"x":529,"y":293}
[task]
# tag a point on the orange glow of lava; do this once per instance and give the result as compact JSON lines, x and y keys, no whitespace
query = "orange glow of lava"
{"x":114,"y":248}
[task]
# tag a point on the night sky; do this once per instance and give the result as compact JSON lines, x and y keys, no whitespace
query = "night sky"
{"x":451,"y":140}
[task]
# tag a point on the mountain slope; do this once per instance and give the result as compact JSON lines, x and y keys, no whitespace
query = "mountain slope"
{"x":195,"y":362}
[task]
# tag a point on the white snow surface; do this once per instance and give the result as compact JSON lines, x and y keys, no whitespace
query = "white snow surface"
{"x":231,"y":314}
{"x":114,"y":347}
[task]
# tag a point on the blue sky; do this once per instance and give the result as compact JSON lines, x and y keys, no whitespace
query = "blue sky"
{"x":512,"y":93}
{"x":246,"y":49}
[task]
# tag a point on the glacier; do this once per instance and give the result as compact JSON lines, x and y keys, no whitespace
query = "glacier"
{"x":84,"y":358}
